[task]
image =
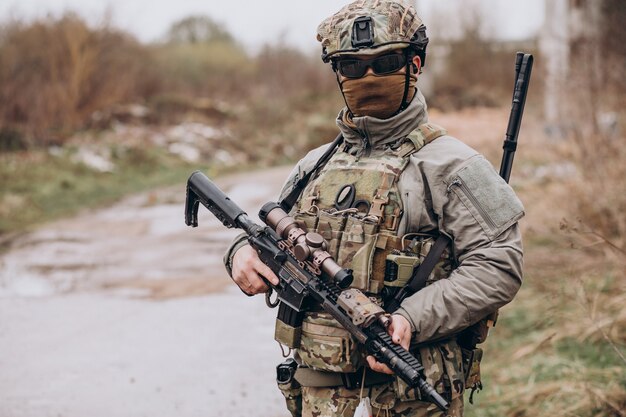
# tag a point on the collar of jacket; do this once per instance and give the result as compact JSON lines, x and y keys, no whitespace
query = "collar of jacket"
{"x":370,"y":133}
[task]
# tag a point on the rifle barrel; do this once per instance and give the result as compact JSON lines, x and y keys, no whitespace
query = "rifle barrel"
{"x":523,"y":69}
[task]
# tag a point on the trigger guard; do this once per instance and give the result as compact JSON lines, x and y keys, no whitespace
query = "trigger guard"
{"x":268,"y":299}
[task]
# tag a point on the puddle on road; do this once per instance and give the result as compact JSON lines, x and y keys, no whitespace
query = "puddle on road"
{"x":114,"y":255}
{"x":133,"y":278}
{"x":136,"y":248}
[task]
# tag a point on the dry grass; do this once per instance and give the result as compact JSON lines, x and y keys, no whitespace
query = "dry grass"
{"x":56,"y":73}
{"x":559,"y":349}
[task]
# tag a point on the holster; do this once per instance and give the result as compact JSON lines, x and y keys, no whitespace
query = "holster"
{"x":289,"y":387}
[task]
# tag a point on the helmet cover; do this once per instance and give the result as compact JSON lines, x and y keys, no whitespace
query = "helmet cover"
{"x":371,"y":27}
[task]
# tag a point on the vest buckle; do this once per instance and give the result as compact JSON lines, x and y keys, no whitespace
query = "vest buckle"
{"x":378,"y":205}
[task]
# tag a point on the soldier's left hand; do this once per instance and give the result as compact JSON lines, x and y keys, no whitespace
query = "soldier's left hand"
{"x":400,"y":331}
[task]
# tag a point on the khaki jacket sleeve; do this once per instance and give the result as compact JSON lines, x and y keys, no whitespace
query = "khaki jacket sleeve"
{"x":469,"y":202}
{"x":302,"y":167}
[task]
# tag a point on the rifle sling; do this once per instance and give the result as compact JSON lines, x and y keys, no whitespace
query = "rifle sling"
{"x":432,"y":258}
{"x":288,"y":202}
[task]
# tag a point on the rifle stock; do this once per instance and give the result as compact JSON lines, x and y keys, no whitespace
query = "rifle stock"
{"x":200,"y":190}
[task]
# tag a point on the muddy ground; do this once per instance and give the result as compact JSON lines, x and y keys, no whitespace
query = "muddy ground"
{"x":126,"y":311}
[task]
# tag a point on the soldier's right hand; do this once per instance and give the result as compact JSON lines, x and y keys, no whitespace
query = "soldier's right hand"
{"x":248,"y":271}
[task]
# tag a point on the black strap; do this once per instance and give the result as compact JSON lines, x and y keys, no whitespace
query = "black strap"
{"x":288,"y":202}
{"x":420,"y":276}
{"x":432,"y":258}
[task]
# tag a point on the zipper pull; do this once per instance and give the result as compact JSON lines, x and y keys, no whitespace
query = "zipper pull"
{"x":455,"y":182}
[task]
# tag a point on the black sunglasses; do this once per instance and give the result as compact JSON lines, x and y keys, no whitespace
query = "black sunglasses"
{"x":381,"y":65}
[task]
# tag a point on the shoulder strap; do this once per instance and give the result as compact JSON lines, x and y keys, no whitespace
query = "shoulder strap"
{"x":291,"y":198}
{"x":420,"y":137}
{"x":429,"y":132}
{"x":432,"y":258}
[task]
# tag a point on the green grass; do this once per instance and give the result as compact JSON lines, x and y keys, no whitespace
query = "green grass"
{"x":37,"y":187}
{"x":538,"y":363}
{"x":594,"y":355}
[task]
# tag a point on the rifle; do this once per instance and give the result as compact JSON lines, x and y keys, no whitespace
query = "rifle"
{"x":308,"y":276}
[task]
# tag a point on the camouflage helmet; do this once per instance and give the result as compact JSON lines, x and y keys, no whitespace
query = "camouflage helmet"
{"x":372,"y":26}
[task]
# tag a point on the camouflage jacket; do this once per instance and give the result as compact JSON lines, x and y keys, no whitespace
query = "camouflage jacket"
{"x":446,"y":187}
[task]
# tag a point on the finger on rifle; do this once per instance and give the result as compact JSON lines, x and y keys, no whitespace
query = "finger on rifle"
{"x":400,"y":331}
{"x":266,"y":272}
{"x":257,"y":283}
{"x":399,"y":336}
{"x":377,"y":366}
{"x":250,"y":281}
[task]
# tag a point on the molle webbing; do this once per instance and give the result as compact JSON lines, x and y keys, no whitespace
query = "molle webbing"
{"x":416,"y":140}
{"x":421,"y":136}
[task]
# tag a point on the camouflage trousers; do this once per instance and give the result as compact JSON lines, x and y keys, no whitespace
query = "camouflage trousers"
{"x":342,"y":402}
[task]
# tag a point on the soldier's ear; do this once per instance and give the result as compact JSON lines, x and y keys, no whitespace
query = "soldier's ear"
{"x":417,"y":64}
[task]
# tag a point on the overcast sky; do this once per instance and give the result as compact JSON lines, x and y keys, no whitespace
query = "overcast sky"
{"x":257,"y":22}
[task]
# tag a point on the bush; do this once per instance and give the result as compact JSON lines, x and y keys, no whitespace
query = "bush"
{"x":216,"y":69}
{"x":56,"y":73}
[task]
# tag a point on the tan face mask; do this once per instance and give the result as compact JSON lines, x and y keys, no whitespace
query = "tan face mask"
{"x":378,"y":96}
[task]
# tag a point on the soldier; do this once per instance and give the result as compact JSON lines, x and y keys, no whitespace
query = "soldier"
{"x":394,"y":184}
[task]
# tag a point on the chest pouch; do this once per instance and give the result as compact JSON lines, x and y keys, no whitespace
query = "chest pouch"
{"x":357,"y":248}
{"x":357,"y":209}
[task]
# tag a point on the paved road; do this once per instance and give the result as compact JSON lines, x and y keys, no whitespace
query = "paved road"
{"x":127,"y":312}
